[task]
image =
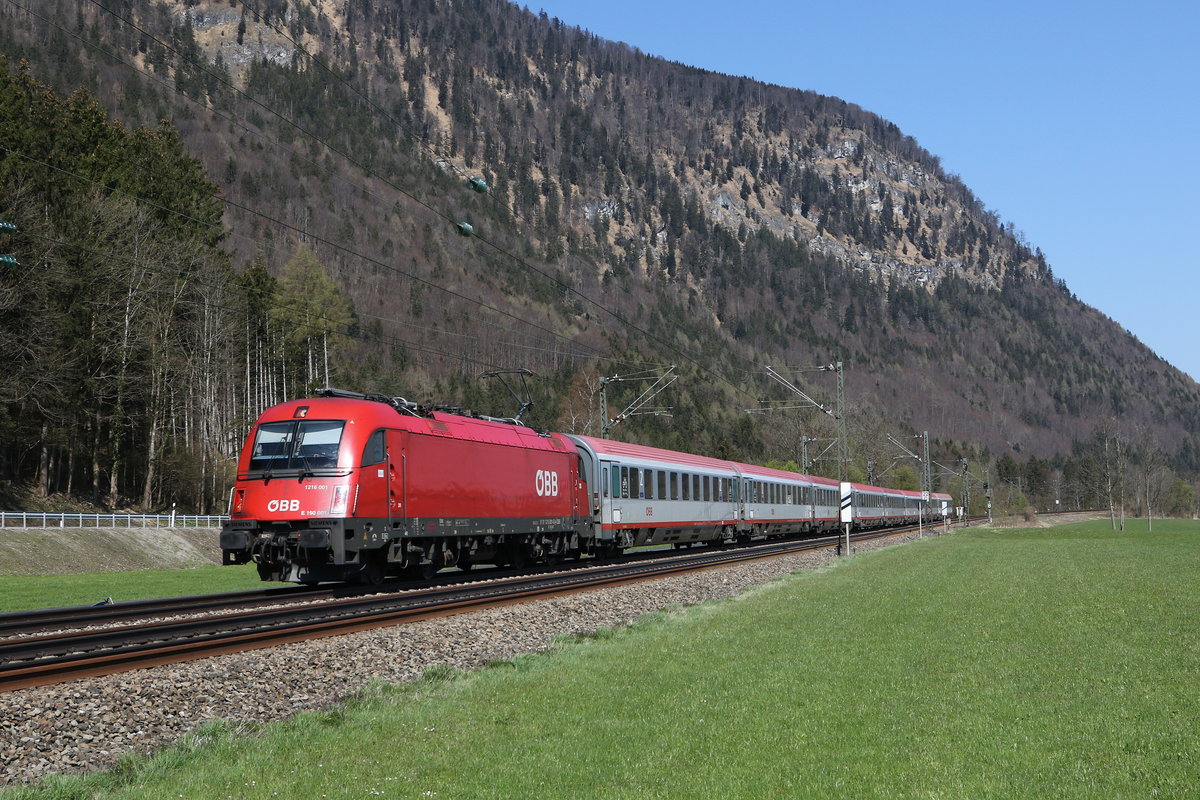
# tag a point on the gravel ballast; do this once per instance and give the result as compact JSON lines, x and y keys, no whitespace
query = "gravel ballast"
{"x":88,"y":724}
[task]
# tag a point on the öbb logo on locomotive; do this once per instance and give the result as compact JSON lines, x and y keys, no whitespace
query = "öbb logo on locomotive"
{"x":283,"y":505}
{"x":546,"y":483}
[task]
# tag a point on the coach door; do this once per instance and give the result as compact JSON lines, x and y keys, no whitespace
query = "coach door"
{"x":611,"y":477}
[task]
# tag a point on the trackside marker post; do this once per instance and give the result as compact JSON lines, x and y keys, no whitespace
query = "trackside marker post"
{"x":847,"y":515}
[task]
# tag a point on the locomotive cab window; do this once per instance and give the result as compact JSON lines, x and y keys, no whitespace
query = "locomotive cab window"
{"x":296,"y":445}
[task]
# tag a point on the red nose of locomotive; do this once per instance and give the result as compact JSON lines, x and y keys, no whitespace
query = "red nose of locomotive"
{"x":296,"y":486}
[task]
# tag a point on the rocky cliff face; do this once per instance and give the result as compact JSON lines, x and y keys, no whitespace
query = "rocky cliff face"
{"x":806,"y":168}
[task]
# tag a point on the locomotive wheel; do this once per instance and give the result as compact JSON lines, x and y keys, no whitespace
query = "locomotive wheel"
{"x":371,"y":574}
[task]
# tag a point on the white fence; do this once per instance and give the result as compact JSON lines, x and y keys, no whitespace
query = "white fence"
{"x":38,"y":519}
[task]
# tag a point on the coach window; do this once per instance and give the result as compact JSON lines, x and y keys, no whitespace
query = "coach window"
{"x":635,"y":483}
{"x":648,"y":478}
{"x":707,"y":488}
{"x":374,"y":452}
{"x":686,"y":480}
{"x":625,"y":482}
{"x":662,"y":484}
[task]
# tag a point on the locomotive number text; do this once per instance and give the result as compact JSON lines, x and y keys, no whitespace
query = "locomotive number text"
{"x":546,"y":483}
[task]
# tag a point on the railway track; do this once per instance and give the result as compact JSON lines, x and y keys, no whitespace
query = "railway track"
{"x":50,"y":658}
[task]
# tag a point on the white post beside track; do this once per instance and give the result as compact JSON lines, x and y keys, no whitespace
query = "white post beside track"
{"x":847,"y":492}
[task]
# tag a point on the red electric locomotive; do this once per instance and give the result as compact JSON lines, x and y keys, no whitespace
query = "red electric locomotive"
{"x":348,"y":486}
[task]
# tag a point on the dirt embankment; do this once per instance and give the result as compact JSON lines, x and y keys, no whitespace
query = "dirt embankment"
{"x":59,"y":551}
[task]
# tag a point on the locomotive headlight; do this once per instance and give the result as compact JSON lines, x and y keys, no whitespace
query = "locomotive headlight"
{"x":340,"y":495}
{"x":239,"y":500}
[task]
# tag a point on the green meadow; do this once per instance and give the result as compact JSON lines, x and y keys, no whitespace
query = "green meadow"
{"x":1055,"y":663}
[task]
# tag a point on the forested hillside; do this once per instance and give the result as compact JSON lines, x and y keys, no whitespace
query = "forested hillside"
{"x":295,"y":222}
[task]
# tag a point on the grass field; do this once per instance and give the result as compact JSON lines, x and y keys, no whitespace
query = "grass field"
{"x":1059,"y":663}
{"x":53,"y":591}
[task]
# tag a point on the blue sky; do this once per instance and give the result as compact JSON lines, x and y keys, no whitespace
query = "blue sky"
{"x":1076,"y":121}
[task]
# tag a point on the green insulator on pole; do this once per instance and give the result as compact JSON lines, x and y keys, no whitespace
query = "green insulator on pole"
{"x":9,"y":261}
{"x":478,"y":184}
{"x":8,"y":227}
{"x":465,"y":228}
